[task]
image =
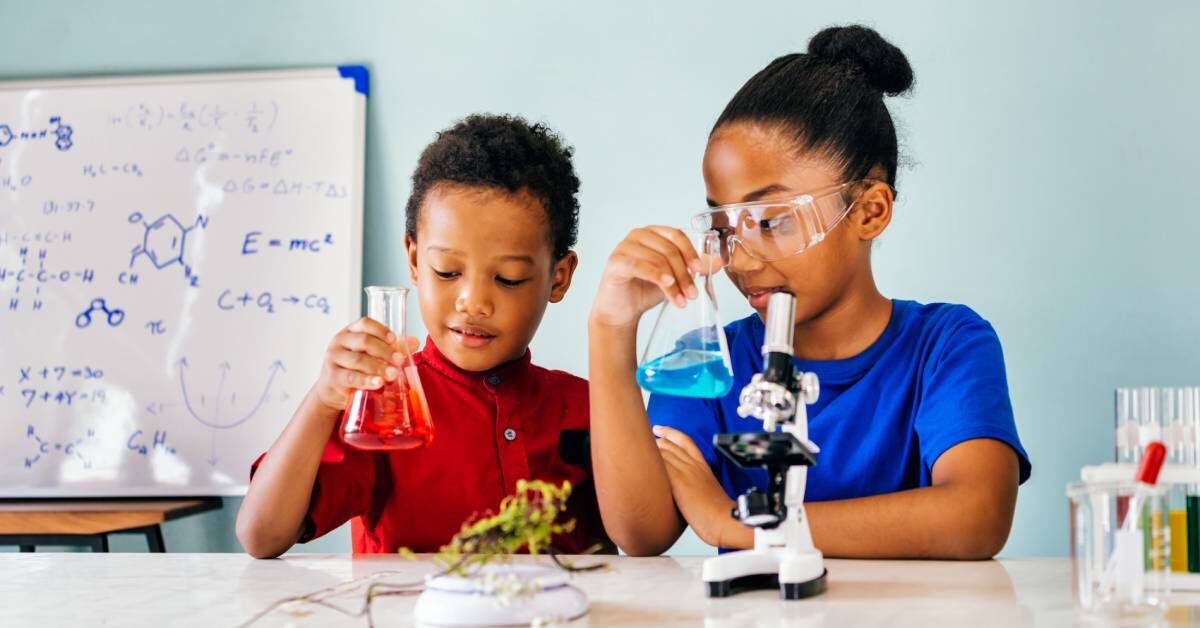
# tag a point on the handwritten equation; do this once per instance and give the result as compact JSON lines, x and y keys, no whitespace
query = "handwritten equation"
{"x":270,"y":157}
{"x":185,"y":116}
{"x":267,"y":301}
{"x":60,"y":385}
{"x":65,"y":397}
{"x":57,"y":373}
{"x":285,"y":187}
{"x":254,"y":242}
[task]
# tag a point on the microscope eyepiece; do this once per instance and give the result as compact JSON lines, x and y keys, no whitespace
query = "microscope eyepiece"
{"x":781,"y":323}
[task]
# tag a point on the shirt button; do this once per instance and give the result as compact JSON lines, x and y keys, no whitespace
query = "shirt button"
{"x":510,"y":434}
{"x":495,"y":381}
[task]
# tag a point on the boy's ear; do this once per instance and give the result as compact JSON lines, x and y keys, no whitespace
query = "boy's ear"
{"x":564,"y":269}
{"x":410,"y":245}
{"x":872,"y":211}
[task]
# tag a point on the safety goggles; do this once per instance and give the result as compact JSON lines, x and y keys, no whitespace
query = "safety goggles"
{"x":772,"y":230}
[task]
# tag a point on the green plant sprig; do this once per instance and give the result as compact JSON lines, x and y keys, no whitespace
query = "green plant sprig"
{"x":527,"y":519}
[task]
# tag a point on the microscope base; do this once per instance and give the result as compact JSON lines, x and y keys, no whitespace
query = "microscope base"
{"x":803,"y":576}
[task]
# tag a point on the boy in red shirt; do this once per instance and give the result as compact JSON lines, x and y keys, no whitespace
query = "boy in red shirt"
{"x":491,"y":221}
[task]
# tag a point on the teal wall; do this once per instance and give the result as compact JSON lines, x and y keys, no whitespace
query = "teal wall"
{"x":1047,"y":146}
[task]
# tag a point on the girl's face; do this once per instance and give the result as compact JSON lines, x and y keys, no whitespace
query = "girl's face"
{"x":749,"y":162}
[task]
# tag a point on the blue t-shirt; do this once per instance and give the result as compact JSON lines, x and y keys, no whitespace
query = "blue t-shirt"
{"x":933,"y":379}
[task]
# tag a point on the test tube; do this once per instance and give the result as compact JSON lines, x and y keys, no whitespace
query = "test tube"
{"x":1126,"y":433}
{"x":1175,"y":426}
{"x":1129,"y":413}
{"x":1149,"y":421}
{"x":1191,"y":413}
{"x":1152,"y":420}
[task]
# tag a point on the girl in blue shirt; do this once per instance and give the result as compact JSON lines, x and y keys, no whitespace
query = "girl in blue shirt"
{"x":919,"y":451}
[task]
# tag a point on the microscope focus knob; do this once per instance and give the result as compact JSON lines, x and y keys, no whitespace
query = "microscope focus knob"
{"x":755,"y":509}
{"x":810,"y":388}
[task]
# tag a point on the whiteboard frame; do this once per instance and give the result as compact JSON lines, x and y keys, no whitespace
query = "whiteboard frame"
{"x":358,"y":204}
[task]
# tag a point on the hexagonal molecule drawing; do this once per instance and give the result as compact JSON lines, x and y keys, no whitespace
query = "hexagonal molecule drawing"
{"x":59,"y":132}
{"x":165,"y":242}
{"x":62,"y":134}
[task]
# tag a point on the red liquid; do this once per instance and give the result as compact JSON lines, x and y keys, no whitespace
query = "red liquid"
{"x":393,"y":417}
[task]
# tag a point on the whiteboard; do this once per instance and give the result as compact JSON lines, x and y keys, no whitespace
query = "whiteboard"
{"x":175,"y":253}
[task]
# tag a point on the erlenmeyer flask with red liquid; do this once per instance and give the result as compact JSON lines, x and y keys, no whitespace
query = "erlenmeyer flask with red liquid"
{"x":396,"y":415}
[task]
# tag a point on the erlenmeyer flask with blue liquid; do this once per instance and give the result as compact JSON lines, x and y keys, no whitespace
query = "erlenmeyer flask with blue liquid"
{"x":687,"y":355}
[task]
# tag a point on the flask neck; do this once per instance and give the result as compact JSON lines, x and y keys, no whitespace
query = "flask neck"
{"x":387,"y":305}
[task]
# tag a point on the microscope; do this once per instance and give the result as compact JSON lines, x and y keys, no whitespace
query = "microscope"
{"x":783,"y":554}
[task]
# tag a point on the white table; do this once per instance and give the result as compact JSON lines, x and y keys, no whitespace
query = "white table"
{"x":226,"y":589}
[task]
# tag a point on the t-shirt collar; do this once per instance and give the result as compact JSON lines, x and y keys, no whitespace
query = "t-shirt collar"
{"x":433,"y":356}
{"x":848,"y":368}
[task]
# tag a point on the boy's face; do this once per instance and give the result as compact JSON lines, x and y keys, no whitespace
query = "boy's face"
{"x":484,"y":270}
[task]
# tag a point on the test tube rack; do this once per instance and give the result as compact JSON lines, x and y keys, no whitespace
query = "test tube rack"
{"x":1171,"y":474}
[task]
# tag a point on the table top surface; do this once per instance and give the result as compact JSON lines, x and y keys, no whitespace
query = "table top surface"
{"x":229,"y":589}
{"x":86,"y":506}
{"x":94,"y":516}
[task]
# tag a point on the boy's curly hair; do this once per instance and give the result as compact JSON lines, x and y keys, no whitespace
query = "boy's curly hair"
{"x":506,"y":152}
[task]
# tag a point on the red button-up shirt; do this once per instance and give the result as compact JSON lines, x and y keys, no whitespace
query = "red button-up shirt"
{"x":490,"y":429}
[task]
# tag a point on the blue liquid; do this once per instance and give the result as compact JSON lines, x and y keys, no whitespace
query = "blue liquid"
{"x":687,"y":373}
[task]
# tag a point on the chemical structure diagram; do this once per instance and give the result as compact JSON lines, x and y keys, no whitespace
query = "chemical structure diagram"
{"x":59,"y":132}
{"x":114,"y":316}
{"x":165,"y":243}
{"x":26,"y":273}
{"x":46,"y":447}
